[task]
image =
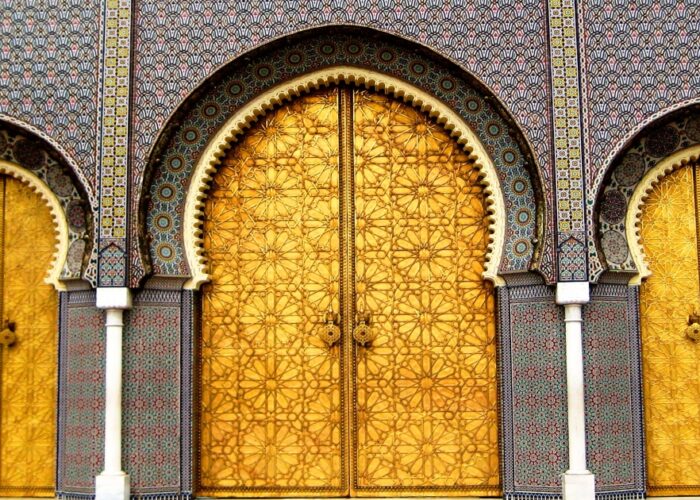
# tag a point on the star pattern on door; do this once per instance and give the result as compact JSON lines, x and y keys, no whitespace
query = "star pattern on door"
{"x":415,"y":411}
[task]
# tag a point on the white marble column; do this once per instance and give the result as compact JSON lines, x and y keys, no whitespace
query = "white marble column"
{"x":577,"y":482}
{"x":113,"y":483}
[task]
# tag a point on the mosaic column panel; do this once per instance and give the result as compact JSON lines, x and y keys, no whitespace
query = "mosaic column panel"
{"x":154,"y":344}
{"x":113,"y":156}
{"x":80,"y":395}
{"x":533,"y":392}
{"x":614,"y":439}
{"x":568,"y":164}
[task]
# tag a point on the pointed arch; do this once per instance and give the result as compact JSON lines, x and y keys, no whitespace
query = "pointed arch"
{"x":368,"y":58}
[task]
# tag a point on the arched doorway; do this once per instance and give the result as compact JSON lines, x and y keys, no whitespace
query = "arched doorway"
{"x":28,"y":363}
{"x":348,"y":337}
{"x":669,"y":297}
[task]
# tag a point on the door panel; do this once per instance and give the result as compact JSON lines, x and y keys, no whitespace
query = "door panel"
{"x":347,"y":201}
{"x":671,"y":361}
{"x":271,"y":421}
{"x":426,"y":395}
{"x":28,"y":367}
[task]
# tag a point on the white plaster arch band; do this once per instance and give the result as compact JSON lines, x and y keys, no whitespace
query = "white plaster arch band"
{"x":641,"y":193}
{"x":242,"y":120}
{"x":60,"y":226}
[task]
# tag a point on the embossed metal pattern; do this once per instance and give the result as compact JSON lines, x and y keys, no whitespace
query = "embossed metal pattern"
{"x":426,"y":394}
{"x":27,"y":368}
{"x":271,"y":419}
{"x":671,"y":361}
{"x":376,"y":209}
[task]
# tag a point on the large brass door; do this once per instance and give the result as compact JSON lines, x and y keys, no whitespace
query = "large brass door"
{"x":348,"y":339}
{"x":671,"y":360}
{"x":28,"y":366}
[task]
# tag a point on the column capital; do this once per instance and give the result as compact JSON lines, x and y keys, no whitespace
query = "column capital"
{"x":113,"y":298}
{"x":573,"y":292}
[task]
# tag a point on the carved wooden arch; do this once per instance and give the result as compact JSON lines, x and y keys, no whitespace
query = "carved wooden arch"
{"x":60,"y":227}
{"x":641,"y":193}
{"x":242,"y":120}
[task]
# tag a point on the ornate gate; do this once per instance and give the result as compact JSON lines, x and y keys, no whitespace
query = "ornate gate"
{"x":348,"y":338}
{"x":671,"y":360}
{"x":28,"y":309}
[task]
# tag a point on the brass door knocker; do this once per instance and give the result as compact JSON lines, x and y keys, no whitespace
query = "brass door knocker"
{"x":692,"y":331}
{"x":8,"y":335}
{"x":330,"y":333}
{"x":363,"y":332}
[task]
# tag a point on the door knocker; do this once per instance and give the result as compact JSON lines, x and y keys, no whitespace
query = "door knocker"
{"x":364,"y":333}
{"x":692,"y":331}
{"x":8,"y":335}
{"x":330,"y":333}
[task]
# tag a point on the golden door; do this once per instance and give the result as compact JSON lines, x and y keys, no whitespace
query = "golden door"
{"x":348,"y":339}
{"x":671,"y":360}
{"x":27,"y":367}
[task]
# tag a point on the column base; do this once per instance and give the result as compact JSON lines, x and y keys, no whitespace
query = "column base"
{"x":112,"y":486}
{"x":578,"y":486}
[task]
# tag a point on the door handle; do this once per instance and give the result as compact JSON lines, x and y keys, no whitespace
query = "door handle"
{"x":330,"y":332}
{"x":8,"y":335}
{"x":692,"y":331}
{"x":363,"y":333}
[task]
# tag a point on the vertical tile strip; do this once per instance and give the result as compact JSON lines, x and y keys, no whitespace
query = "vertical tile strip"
{"x":566,"y":123}
{"x":114,"y":139}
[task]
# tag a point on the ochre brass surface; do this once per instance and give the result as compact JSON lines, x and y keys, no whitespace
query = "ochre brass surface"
{"x":28,"y":367}
{"x":271,"y":389}
{"x":426,"y":394}
{"x":671,"y":361}
{"x":349,"y":201}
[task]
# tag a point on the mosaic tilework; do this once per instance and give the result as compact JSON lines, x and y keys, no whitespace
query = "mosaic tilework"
{"x":614,"y":437}
{"x":568,"y":163}
{"x":49,"y":70}
{"x":533,"y":392}
{"x":178,"y":44}
{"x":38,"y":158}
{"x":239,"y":84}
{"x":81,"y":394}
{"x":638,"y":61}
{"x":114,"y":141}
{"x":672,"y":134}
{"x":152,"y":392}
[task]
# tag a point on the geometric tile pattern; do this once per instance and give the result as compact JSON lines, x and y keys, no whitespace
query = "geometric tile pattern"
{"x":113,"y":156}
{"x":235,"y":87}
{"x":637,"y":63}
{"x":678,"y":131}
{"x":49,"y":70}
{"x":178,"y":44}
{"x":614,"y":432}
{"x":81,"y":394}
{"x":533,"y":396}
{"x":568,"y":163}
{"x":151,"y":418}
